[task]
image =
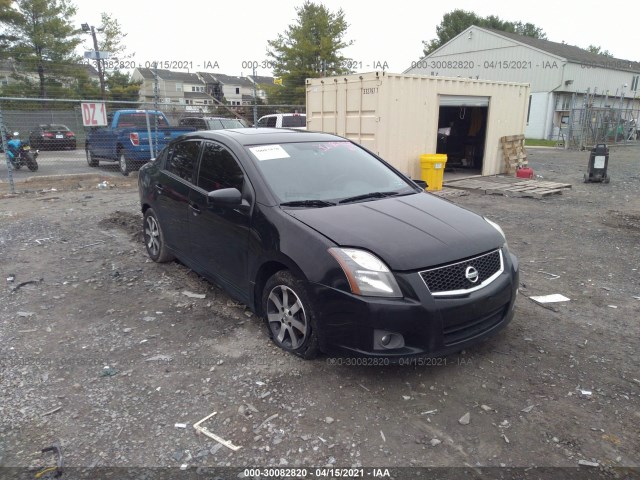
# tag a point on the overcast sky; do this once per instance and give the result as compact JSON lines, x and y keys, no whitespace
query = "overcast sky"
{"x":201,"y":33}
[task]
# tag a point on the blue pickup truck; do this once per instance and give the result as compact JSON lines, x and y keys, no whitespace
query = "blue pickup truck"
{"x":126,"y":139}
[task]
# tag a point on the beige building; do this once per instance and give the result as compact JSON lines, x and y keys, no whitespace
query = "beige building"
{"x":400,"y":117}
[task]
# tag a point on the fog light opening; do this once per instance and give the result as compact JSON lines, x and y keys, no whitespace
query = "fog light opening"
{"x":384,"y":340}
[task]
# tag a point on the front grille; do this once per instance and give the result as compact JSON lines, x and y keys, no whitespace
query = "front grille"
{"x":452,"y":279}
{"x":461,"y":332}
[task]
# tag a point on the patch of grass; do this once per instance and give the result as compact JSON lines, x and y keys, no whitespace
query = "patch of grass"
{"x":538,"y":142}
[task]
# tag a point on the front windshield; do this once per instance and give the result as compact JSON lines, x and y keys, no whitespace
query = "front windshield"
{"x":327,"y":171}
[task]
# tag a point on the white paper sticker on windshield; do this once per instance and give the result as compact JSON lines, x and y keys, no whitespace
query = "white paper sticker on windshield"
{"x":269,"y":152}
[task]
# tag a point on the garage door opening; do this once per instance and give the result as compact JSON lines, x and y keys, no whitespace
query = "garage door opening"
{"x":462,"y":128}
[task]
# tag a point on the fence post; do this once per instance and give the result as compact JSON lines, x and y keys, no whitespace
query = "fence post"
{"x":5,"y":148}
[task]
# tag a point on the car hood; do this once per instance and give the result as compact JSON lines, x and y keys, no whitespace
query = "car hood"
{"x":408,"y":233}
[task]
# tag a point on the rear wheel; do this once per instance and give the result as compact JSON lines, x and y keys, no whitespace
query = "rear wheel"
{"x":91,"y":160}
{"x":289,"y":315}
{"x":154,"y":238}
{"x":125,"y":164}
{"x":31,"y":161}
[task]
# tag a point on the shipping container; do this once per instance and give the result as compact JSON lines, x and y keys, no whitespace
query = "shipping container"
{"x":400,"y":117}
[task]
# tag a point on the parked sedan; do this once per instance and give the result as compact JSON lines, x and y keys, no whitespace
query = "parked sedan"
{"x":52,"y":137}
{"x":334,"y":248}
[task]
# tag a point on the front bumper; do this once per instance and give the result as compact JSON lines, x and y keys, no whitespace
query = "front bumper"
{"x":351,"y":324}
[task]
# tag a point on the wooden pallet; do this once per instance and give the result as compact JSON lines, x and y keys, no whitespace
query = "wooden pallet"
{"x":513,"y":152}
{"x":515,"y":187}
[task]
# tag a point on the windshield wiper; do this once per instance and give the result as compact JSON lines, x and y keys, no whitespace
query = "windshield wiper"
{"x":307,"y":203}
{"x":366,"y":196}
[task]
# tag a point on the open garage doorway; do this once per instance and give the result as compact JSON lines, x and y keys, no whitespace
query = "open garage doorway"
{"x":462,"y":129}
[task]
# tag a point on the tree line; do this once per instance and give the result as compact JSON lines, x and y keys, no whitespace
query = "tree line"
{"x":38,"y":45}
{"x":39,"y":36}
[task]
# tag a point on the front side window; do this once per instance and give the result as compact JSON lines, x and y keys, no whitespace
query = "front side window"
{"x":184,"y":158}
{"x":267,"y":122}
{"x":219,"y":169}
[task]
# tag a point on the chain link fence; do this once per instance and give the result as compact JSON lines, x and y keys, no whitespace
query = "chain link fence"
{"x":55,"y":128}
{"x":590,"y":126}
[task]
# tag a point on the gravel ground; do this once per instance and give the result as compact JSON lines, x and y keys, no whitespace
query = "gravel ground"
{"x":110,"y":355}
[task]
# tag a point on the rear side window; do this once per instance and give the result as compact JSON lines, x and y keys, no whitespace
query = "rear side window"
{"x":294,"y":121}
{"x":219,"y":169}
{"x":139,"y":120}
{"x":183,"y":159}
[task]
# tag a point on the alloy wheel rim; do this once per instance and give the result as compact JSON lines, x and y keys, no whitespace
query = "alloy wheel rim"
{"x":152,"y":234}
{"x":287,"y":318}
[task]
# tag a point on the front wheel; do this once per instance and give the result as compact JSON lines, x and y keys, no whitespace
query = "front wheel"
{"x":125,"y":165}
{"x":30,"y":160}
{"x":154,"y":238}
{"x":91,"y":160}
{"x":290,"y":315}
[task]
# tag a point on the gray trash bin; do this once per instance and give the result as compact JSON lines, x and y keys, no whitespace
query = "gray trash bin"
{"x":598,"y":163}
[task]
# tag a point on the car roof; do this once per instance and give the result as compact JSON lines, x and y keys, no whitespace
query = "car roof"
{"x":261,"y":136}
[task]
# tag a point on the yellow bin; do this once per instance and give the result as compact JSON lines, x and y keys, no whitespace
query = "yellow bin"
{"x":432,"y":166}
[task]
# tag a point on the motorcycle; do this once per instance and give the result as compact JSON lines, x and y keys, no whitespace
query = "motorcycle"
{"x":20,"y":153}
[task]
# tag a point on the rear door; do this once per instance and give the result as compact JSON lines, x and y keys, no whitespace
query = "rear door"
{"x":173,"y":184}
{"x":220,"y":235}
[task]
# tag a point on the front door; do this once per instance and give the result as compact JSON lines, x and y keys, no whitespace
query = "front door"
{"x":220,"y":235}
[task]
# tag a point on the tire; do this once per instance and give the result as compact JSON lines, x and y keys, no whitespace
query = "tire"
{"x":91,"y":160}
{"x":125,"y":165}
{"x":290,"y":315}
{"x":32,"y":163}
{"x":607,"y":178}
{"x":154,"y":238}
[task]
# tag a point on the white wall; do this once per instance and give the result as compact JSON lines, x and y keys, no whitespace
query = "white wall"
{"x":539,"y":115}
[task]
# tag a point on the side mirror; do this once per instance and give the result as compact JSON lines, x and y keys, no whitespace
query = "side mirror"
{"x":227,"y":197}
{"x":421,"y":183}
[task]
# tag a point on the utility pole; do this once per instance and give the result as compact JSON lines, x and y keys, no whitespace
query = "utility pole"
{"x":92,"y":29}
{"x":255,"y":98}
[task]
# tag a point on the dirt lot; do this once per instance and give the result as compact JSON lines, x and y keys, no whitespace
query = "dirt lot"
{"x":104,"y":353}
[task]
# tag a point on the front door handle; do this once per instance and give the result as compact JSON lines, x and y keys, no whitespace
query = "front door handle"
{"x":159,"y":188}
{"x":195,"y":209}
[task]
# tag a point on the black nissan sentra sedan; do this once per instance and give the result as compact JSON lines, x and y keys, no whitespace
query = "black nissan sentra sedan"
{"x":334,"y":248}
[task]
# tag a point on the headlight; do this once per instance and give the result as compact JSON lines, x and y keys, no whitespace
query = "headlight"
{"x":499,"y":229}
{"x":367,"y":274}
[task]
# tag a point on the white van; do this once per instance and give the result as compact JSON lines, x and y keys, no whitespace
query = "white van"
{"x":297,"y":121}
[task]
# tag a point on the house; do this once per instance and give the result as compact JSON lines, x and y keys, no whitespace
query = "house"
{"x":8,"y":70}
{"x":173,"y":87}
{"x":563,"y":78}
{"x":228,"y":87}
{"x":11,"y":70}
{"x":261,"y":82}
